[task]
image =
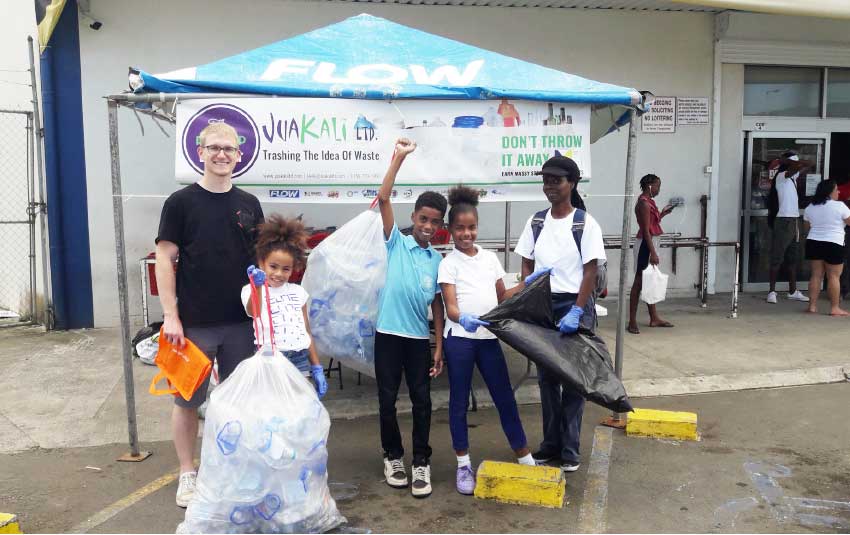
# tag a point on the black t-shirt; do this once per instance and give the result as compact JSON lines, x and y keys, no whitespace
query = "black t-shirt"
{"x":215,"y":233}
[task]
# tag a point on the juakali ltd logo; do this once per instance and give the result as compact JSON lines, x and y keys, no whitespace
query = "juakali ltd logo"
{"x":246,"y":128}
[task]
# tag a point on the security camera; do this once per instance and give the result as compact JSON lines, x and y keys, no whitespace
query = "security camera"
{"x":85,"y":11}
{"x":95,"y":24}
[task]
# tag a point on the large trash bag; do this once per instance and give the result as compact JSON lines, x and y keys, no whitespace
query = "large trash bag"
{"x":264,"y":456}
{"x":344,"y":277}
{"x":526,"y":323}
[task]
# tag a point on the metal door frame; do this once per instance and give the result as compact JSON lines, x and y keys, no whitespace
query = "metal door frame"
{"x":747,"y":212}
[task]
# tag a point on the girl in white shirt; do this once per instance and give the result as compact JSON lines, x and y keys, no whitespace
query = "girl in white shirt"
{"x":471,"y":282}
{"x":826,"y":218}
{"x":280,"y":248}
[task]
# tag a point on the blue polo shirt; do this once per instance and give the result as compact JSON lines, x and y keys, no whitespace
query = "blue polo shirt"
{"x":410,"y":288}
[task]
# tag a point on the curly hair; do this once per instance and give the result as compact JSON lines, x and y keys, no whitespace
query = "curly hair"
{"x":280,"y":234}
{"x":463,"y":199}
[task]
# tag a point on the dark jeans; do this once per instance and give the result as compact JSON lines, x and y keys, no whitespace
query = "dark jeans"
{"x":562,"y":407}
{"x":394,"y":354}
{"x":462,"y":355}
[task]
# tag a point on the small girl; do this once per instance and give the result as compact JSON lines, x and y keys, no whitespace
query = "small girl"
{"x":280,"y":249}
{"x":471,"y":282}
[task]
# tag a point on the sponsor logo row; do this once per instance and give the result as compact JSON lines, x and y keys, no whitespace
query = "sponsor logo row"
{"x":361,"y":193}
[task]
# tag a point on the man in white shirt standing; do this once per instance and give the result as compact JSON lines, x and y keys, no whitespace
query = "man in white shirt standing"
{"x":573,"y":258}
{"x":784,"y":249}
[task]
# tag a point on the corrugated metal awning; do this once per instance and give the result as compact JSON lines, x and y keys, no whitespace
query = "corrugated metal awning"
{"x":617,"y":5}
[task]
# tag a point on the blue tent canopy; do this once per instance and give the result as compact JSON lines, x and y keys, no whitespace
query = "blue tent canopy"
{"x":404,"y":63}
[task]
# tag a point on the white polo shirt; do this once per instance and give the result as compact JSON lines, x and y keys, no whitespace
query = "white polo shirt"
{"x":475,"y":279}
{"x":556,"y":248}
{"x":786,"y":190}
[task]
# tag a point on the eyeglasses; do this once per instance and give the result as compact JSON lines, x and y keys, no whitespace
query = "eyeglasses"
{"x":215,"y":149}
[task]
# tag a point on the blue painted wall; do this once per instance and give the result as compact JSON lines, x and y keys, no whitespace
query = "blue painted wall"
{"x":67,"y":203}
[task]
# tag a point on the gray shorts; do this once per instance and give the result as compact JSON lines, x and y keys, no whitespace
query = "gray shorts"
{"x":784,"y":242}
{"x":228,"y":344}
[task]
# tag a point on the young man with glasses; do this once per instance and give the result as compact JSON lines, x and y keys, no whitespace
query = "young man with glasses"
{"x":211,"y":225}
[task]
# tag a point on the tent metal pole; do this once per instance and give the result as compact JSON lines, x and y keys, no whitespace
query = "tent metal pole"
{"x":624,"y":248}
{"x":118,"y":218}
{"x":507,"y":235}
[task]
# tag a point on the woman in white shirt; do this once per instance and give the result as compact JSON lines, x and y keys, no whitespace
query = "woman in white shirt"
{"x":573,"y":279}
{"x":825,"y":218}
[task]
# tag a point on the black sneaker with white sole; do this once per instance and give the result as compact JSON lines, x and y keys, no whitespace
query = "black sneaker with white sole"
{"x":395,"y":473}
{"x":543,"y":457}
{"x":569,"y":466}
{"x":421,"y":487}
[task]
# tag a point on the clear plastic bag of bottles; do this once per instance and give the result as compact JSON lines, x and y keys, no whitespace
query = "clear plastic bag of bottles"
{"x":344,"y":277}
{"x":264,"y":456}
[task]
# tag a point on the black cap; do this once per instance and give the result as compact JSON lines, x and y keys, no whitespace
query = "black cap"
{"x":560,"y":166}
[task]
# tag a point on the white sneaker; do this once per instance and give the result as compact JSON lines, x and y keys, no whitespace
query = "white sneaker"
{"x":186,"y":488}
{"x":421,"y":487}
{"x":395,"y":473}
{"x":771,"y":297}
{"x":798,"y":296}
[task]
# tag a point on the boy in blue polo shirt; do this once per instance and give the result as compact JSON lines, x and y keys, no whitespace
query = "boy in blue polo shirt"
{"x":402,"y":341}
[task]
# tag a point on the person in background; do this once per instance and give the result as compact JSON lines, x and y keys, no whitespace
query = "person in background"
{"x":783,"y":218}
{"x":843,"y":183}
{"x":826,"y":218}
{"x":646,"y":247}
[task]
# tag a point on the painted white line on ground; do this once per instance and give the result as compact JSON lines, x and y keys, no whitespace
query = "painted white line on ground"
{"x":99,"y":518}
{"x":591,"y":515}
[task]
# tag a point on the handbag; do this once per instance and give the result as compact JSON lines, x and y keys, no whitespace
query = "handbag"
{"x":185,"y":369}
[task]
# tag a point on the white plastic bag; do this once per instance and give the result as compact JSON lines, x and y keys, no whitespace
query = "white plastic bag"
{"x":344,"y":277}
{"x":654,"y":288}
{"x":264,"y":456}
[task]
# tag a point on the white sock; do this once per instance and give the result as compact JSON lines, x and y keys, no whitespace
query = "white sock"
{"x":463,"y":460}
{"x":527,"y":460}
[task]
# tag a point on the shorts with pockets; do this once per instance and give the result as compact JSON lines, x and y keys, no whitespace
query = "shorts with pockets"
{"x":783,"y":245}
{"x":229,"y":344}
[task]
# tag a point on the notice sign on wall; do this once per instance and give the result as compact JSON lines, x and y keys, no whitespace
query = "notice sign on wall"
{"x":337,"y":150}
{"x":692,"y":110}
{"x":661,"y":117}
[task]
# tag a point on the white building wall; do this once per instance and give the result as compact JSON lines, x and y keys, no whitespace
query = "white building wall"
{"x":667,"y":53}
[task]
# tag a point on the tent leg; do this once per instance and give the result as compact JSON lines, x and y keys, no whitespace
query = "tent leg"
{"x":507,"y":235}
{"x":118,"y":218}
{"x":624,"y":249}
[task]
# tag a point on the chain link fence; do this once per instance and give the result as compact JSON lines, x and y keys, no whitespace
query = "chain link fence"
{"x":17,"y":218}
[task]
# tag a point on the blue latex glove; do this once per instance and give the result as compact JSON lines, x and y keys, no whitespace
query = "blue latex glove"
{"x":470,"y":323}
{"x":569,"y":323}
{"x":257,"y":275}
{"x":318,"y":374}
{"x":536,"y":274}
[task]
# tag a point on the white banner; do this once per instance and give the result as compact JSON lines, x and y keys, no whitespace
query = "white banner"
{"x":315,"y":150}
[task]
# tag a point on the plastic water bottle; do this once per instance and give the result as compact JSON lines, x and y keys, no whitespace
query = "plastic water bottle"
{"x":228,"y":438}
{"x":268,"y":507}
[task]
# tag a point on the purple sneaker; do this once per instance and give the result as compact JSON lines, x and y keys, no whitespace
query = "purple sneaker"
{"x":465,"y":480}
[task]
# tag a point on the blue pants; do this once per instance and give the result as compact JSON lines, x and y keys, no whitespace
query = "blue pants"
{"x":462,"y":354}
{"x":562,"y":407}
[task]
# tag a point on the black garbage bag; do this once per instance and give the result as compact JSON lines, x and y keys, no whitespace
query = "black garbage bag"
{"x":526,"y":323}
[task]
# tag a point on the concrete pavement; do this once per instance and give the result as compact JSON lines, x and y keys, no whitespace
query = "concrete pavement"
{"x":66,"y":389}
{"x":770,"y":461}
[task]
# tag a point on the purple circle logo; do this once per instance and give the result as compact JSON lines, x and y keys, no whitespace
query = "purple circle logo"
{"x":249,"y":139}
